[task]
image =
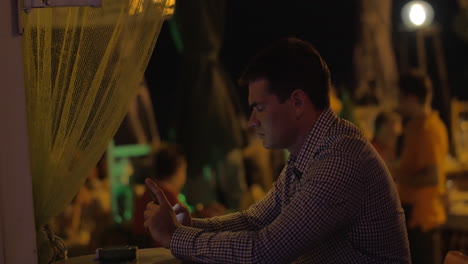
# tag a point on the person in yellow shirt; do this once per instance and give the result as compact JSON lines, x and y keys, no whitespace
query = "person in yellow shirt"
{"x":421,"y":176}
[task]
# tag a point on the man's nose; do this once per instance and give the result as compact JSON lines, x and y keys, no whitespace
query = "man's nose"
{"x":253,"y":121}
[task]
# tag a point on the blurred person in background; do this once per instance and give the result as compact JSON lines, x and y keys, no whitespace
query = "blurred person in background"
{"x":387,"y":130}
{"x":83,"y":222}
{"x":420,"y":175}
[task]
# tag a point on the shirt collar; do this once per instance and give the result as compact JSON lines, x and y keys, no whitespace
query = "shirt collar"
{"x":321,"y":127}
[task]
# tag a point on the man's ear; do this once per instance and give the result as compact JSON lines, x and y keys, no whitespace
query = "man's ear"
{"x":298,"y":100}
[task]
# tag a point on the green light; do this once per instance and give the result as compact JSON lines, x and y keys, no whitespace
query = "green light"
{"x":183,"y":200}
{"x":121,"y":192}
{"x":118,"y":219}
{"x":207,"y":173}
{"x":125,"y":151}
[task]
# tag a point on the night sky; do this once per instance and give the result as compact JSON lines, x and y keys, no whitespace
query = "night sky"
{"x":331,"y":26}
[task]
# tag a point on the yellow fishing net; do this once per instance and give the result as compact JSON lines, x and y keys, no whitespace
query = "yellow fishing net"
{"x":82,"y":68}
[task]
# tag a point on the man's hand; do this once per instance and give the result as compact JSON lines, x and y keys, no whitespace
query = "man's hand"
{"x":160,"y":219}
{"x":182,"y":214}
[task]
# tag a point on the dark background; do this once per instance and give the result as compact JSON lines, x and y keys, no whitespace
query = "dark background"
{"x":331,"y":26}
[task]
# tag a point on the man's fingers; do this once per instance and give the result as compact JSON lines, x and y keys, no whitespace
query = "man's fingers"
{"x":151,"y":205}
{"x":160,"y":196}
{"x":150,"y":209}
{"x":147,"y":214}
{"x":177,"y":208}
{"x":147,"y":224}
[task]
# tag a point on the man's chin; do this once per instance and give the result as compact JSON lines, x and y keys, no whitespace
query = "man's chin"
{"x":272,"y":146}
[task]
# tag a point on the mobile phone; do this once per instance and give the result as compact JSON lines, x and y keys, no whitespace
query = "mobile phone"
{"x":116,"y":254}
{"x":153,"y":197}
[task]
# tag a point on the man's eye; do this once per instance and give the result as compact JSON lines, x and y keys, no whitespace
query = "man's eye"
{"x":259,"y":108}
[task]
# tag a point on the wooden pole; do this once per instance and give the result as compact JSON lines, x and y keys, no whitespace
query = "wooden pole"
{"x":17,"y":232}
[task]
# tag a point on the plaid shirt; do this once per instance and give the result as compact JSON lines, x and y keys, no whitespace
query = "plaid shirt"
{"x":333,"y":203}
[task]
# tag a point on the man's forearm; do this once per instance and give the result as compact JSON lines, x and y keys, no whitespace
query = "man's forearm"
{"x":230,"y":222}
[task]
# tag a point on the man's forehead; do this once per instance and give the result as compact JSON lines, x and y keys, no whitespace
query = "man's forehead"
{"x":258,"y":88}
{"x":261,"y":82}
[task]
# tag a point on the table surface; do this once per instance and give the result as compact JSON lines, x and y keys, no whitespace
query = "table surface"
{"x":144,"y":256}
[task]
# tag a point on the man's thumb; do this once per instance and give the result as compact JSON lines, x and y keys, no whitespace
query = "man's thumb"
{"x":160,"y":196}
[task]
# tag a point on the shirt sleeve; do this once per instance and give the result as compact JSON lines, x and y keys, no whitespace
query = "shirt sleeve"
{"x":326,"y":202}
{"x":254,"y":218}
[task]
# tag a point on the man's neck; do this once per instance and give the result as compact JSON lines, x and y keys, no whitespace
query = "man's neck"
{"x":305,"y":128}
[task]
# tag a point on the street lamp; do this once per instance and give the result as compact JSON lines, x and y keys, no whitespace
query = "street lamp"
{"x":417,"y":17}
{"x":417,"y":14}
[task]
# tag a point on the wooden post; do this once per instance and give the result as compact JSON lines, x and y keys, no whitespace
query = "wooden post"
{"x":17,"y":232}
{"x":421,"y":49}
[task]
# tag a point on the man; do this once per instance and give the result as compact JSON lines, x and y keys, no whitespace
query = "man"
{"x":334,"y":201}
{"x":421,"y":176}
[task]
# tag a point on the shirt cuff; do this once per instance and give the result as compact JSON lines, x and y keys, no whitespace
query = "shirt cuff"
{"x":183,"y":242}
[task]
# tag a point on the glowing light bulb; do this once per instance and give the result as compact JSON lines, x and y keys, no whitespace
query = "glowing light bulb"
{"x":416,"y":14}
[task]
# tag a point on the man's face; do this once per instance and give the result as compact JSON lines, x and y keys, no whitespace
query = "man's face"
{"x":275,"y":122}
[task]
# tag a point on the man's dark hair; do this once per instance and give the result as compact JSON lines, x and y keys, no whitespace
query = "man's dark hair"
{"x":288,"y":65}
{"x":417,"y":83}
{"x":167,"y":158}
